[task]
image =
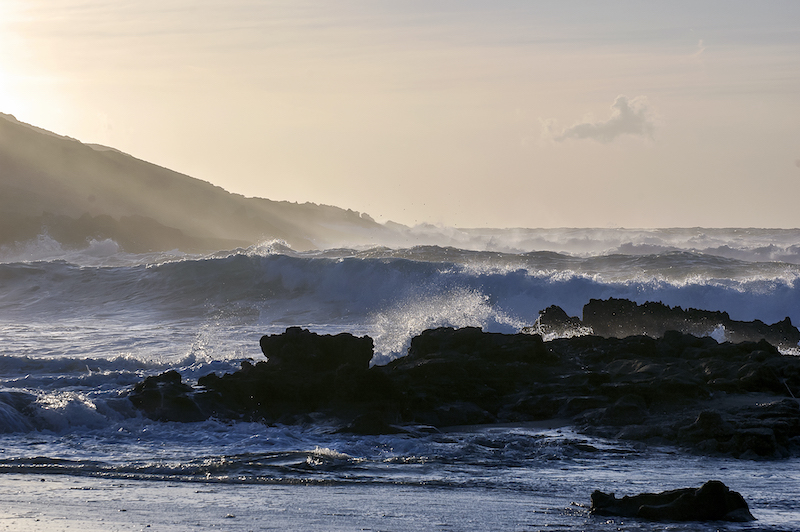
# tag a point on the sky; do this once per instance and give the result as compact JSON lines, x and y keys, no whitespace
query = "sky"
{"x":462,"y":113}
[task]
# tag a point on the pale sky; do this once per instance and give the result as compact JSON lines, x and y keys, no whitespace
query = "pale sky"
{"x":464,"y":113}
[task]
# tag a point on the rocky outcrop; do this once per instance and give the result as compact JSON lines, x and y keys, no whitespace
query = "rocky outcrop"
{"x":165,"y":398}
{"x":713,"y":501}
{"x":710,"y":398}
{"x":466,"y":376}
{"x":304,"y":373}
{"x":734,"y":399}
{"x":620,"y":318}
{"x":554,"y":322}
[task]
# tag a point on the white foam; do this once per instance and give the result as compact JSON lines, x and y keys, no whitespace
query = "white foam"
{"x":718,"y":334}
{"x":59,"y":411}
{"x":393,"y":329}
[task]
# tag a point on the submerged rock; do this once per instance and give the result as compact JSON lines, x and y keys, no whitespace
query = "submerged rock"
{"x":713,"y":501}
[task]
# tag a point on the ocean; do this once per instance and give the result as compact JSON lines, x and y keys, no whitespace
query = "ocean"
{"x":79,"y":328}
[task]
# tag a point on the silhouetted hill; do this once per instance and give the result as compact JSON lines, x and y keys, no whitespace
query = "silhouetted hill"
{"x":78,"y":191}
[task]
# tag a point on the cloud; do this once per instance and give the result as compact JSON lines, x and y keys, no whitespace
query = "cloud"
{"x":701,"y":47}
{"x":629,"y":116}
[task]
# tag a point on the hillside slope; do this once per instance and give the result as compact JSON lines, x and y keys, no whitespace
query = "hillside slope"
{"x":77,"y":191}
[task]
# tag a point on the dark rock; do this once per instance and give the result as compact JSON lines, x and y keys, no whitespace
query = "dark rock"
{"x":630,"y":409}
{"x":553,"y":321}
{"x":621,"y":318}
{"x":472,"y":342}
{"x":709,"y":398}
{"x":371,"y":423}
{"x":650,"y":432}
{"x":304,"y":372}
{"x":465,"y":376}
{"x":462,"y":413}
{"x":761,"y":431}
{"x":708,"y":425}
{"x":713,"y":501}
{"x":301,"y":350}
{"x":756,"y":442}
{"x":165,"y":398}
{"x":591,"y":404}
{"x":758,"y":377}
{"x":533,"y":408}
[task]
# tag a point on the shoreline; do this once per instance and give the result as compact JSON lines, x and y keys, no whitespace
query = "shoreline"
{"x":560,"y":498}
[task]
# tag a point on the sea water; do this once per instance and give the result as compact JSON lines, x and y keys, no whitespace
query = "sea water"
{"x":78,"y":328}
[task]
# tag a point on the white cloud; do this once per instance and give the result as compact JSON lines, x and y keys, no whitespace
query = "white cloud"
{"x":701,"y":47}
{"x":629,"y":116}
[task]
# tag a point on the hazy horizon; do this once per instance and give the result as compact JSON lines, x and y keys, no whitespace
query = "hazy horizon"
{"x":510,"y":114}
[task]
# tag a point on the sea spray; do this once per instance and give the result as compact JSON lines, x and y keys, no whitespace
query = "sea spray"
{"x":393,"y":330}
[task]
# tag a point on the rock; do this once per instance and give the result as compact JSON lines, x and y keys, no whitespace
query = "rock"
{"x":626,"y":410}
{"x":554,"y":322}
{"x":713,"y":501}
{"x":462,"y":413}
{"x":647,"y":432}
{"x":621,"y":318}
{"x":756,"y":376}
{"x":371,"y":423}
{"x":301,"y":350}
{"x":709,"y":425}
{"x":473,"y":342}
{"x":165,"y":398}
{"x":754,"y":443}
{"x":709,"y":398}
{"x":531,"y":407}
{"x":465,"y":376}
{"x":304,"y":372}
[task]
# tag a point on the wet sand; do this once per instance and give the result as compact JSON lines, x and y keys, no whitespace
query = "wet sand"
{"x":56,"y":503}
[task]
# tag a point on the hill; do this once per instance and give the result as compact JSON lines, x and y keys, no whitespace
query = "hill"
{"x":76,"y":192}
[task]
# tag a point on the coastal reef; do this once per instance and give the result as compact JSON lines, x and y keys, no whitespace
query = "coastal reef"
{"x":735,"y":399}
{"x":713,"y":501}
{"x":620,"y":318}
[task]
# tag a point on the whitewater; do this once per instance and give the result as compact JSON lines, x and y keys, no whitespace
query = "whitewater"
{"x":80,"y":327}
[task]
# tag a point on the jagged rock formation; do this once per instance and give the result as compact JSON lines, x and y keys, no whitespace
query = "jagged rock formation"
{"x":734,"y":399}
{"x":620,"y":318}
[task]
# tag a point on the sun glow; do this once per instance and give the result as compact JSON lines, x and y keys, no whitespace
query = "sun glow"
{"x":11,"y":44}
{"x":29,"y":90}
{"x":26,"y":97}
{"x":10,"y":103}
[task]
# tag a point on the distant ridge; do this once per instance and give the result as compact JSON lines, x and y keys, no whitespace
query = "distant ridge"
{"x":76,"y":192}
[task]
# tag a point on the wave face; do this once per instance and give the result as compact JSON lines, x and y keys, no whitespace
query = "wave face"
{"x":107,"y":304}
